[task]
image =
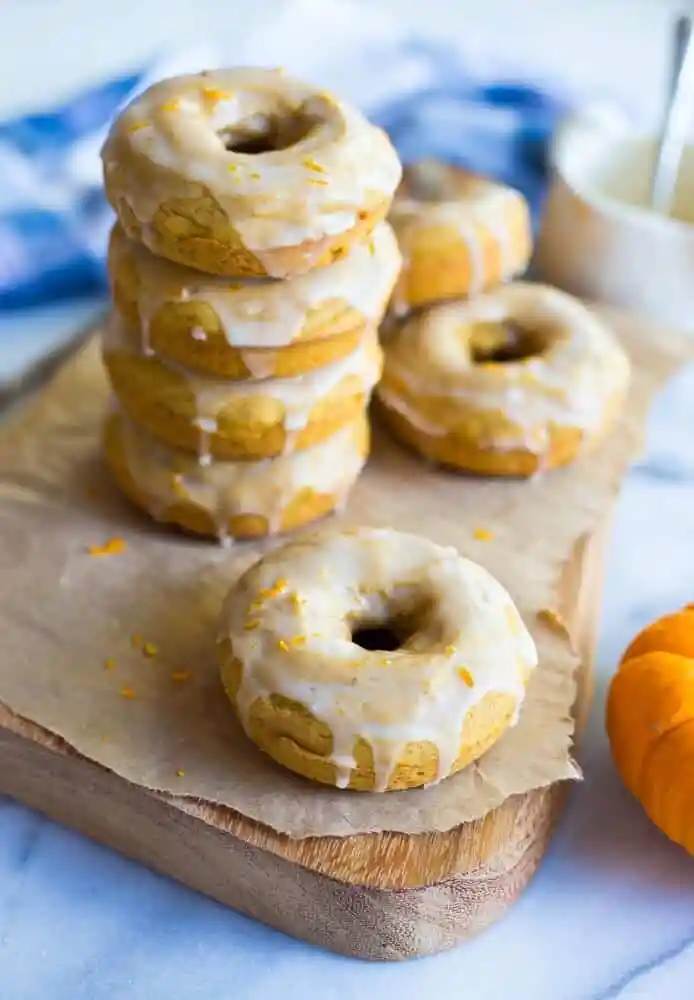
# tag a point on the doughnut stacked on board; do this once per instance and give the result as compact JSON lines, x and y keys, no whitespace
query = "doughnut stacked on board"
{"x":486,"y":374}
{"x":250,"y":267}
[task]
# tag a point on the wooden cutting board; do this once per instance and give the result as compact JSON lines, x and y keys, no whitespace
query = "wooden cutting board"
{"x":376,"y":896}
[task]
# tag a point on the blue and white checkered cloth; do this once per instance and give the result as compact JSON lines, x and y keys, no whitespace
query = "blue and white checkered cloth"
{"x":54,"y":219}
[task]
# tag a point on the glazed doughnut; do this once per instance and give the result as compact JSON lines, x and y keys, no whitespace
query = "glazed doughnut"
{"x":518,"y":380}
{"x":238,"y":420}
{"x":254,"y":327}
{"x":459,"y":233}
{"x":234,"y":499}
{"x":372,"y":659}
{"x":247,"y":172}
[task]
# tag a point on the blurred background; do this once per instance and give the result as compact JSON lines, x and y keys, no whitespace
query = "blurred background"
{"x":49,"y":48}
{"x":482,"y":82}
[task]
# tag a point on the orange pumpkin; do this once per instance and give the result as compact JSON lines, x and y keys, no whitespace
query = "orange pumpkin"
{"x":650,"y":723}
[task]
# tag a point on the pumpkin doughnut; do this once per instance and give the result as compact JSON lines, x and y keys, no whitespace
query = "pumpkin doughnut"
{"x":459,"y":234}
{"x":518,"y":380}
{"x":234,"y":499}
{"x":254,"y":327}
{"x":238,"y":420}
{"x":372,"y":659}
{"x":247,"y":172}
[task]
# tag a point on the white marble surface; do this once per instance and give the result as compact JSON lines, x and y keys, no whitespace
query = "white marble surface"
{"x":611,"y":913}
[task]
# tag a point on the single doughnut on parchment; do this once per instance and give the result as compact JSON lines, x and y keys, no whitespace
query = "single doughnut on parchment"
{"x":516,"y":381}
{"x":373,"y":659}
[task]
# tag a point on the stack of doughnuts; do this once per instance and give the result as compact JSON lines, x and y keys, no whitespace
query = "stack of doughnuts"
{"x":250,"y":266}
{"x":487,"y":374}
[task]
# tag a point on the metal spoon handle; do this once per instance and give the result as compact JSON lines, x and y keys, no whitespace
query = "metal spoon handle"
{"x":677,"y":120}
{"x":682,"y":32}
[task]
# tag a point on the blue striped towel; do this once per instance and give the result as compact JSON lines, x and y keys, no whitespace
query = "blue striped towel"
{"x":54,"y":219}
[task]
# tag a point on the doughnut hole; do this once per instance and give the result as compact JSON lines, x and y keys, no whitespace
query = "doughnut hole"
{"x":266,"y":133}
{"x":386,"y":621}
{"x":373,"y":638}
{"x":504,"y":342}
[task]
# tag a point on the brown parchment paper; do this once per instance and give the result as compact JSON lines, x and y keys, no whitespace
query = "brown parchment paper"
{"x":64,"y":613}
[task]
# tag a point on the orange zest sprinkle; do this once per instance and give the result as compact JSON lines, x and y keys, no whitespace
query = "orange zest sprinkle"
{"x":552,"y":618}
{"x":298,"y":640}
{"x":283,"y":645}
{"x":180,"y":774}
{"x":278,"y":587}
{"x":466,"y":676}
{"x":170,"y":106}
{"x":255,"y":176}
{"x":386,"y":661}
{"x":449,"y":650}
{"x":317,"y":180}
{"x":181,"y":675}
{"x":113,"y":547}
{"x":232,"y":168}
{"x":252,"y":624}
{"x":149,"y":649}
{"x":297,"y":601}
{"x":136,"y":641}
{"x":483,"y":535}
{"x":127,"y":692}
{"x":212,"y":95}
{"x":372,"y":248}
{"x":312,"y":165}
{"x":109,"y":664}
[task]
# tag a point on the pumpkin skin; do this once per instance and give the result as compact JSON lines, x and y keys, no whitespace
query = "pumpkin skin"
{"x":650,"y":723}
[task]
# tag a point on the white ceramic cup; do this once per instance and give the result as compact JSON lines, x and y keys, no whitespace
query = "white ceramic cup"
{"x":599,"y":239}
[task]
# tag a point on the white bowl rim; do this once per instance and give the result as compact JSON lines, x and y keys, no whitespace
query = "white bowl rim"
{"x":639,"y":215}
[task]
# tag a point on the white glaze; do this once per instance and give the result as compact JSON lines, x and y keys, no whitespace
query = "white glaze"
{"x":260,"y":312}
{"x":225,"y":489}
{"x":436,"y":194}
{"x":572,"y":383}
{"x":298,"y":396}
{"x":389,"y":699}
{"x":312,"y":189}
{"x":261,"y":364}
{"x":395,"y":401}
